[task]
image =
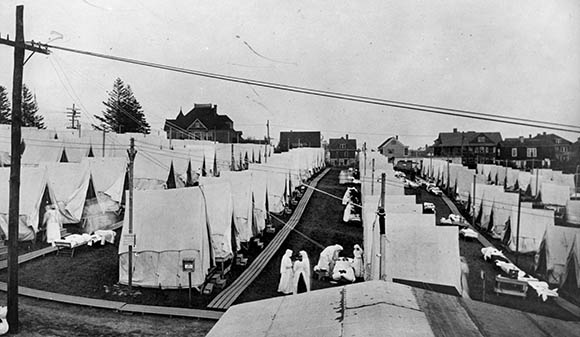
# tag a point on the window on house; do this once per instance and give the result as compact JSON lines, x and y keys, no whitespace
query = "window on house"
{"x":558,"y":140}
{"x":345,"y":154}
{"x":390,"y":151}
{"x":481,"y":139}
{"x":406,"y":151}
{"x":532,"y":152}
{"x":514,"y":152}
{"x":342,"y":146}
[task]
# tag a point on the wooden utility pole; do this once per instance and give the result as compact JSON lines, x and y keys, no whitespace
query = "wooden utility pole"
{"x":104,"y":135}
{"x":19,"y":46}
{"x":365,"y":155}
{"x":131,"y":153}
{"x":72,"y":114}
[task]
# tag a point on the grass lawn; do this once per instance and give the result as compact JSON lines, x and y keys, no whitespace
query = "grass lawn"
{"x":94,"y":272}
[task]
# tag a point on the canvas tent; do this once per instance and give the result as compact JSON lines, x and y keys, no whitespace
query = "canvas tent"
{"x":169,"y":225}
{"x":35,"y":193}
{"x":220,"y":212}
{"x":417,"y":251}
{"x":72,"y":185}
{"x":533,"y":224}
{"x":553,"y":194}
{"x":241,"y":185}
{"x":559,"y":255}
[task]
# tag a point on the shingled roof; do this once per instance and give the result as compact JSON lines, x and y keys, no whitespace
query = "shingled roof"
{"x":205,"y":113}
{"x":451,"y":139}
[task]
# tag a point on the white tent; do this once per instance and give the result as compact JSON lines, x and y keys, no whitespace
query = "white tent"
{"x":503,"y":205}
{"x":241,"y":184}
{"x":71,"y":183}
{"x":418,"y":251}
{"x":552,"y":194}
{"x":220,"y":209}
{"x":532,"y":225}
{"x":573,"y":212}
{"x":36,"y":152}
{"x":559,"y":252}
{"x":169,"y":226}
{"x":35,"y":193}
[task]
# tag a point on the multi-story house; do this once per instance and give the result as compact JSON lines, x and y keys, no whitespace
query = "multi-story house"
{"x":202,"y":123}
{"x":471,"y":146}
{"x":342,"y":151}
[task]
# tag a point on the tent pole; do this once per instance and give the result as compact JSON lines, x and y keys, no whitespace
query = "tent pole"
{"x":473,"y":202}
{"x":373,"y":177}
{"x":382,"y":225}
{"x":131,"y":152}
{"x":518,"y":228}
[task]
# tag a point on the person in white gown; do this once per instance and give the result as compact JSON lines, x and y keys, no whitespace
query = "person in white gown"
{"x":52,"y":222}
{"x":327,"y":258}
{"x":357,"y":263}
{"x":302,"y":274}
{"x":286,"y":274}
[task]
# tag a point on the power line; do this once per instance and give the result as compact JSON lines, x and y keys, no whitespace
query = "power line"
{"x":336,"y":95}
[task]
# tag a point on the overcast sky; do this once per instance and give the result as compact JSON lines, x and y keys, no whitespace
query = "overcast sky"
{"x":518,"y":58}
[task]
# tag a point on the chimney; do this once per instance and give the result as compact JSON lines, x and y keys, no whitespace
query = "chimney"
{"x":454,"y":130}
{"x":530,"y":135}
{"x":397,"y":137}
{"x":347,"y":136}
{"x":544,"y":133}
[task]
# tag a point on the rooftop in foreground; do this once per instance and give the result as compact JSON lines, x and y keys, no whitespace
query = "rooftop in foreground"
{"x":378,"y":308}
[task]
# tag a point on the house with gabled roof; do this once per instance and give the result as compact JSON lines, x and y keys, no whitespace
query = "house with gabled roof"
{"x":471,"y":146}
{"x":202,"y":123}
{"x":392,"y":147}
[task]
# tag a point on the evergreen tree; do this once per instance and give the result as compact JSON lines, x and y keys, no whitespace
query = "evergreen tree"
{"x":29,"y":110}
{"x":123,"y":112}
{"x":4,"y":106}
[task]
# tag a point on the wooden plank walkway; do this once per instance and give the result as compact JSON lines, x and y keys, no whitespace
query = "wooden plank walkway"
{"x":29,"y":256}
{"x":115,"y":305}
{"x":563,"y":303}
{"x":227,"y":297}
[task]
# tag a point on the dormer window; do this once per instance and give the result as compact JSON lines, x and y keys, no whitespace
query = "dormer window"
{"x":481,"y":139}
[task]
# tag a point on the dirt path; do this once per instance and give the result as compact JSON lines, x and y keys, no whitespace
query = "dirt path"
{"x":42,"y":318}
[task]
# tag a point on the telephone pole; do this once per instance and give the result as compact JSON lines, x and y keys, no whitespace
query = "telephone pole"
{"x":72,"y":114}
{"x":19,"y":46}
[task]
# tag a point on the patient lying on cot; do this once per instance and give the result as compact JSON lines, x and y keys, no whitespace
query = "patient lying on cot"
{"x":343,"y":270}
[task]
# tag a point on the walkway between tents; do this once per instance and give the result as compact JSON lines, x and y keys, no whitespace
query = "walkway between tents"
{"x":98,"y":303}
{"x":227,"y":297}
{"x":564,"y":304}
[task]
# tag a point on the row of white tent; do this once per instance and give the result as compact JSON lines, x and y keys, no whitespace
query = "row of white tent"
{"x":557,"y":248}
{"x":88,"y":193}
{"x":412,"y":249}
{"x":208,"y":221}
{"x":71,"y":146}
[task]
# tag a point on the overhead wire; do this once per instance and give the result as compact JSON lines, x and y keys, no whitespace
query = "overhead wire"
{"x":337,"y":95}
